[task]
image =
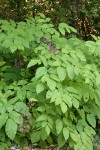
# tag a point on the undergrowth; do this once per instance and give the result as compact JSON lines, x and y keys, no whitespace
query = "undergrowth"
{"x":49,"y":85}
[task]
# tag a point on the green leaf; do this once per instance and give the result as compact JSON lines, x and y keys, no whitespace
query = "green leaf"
{"x":67,"y":29}
{"x":59,"y":126}
{"x":43,"y":60}
{"x":73,"y":30}
{"x":66,"y":133}
{"x":50,"y":140}
{"x":76,"y":70}
{"x":44,"y":123}
{"x":94,"y":37}
{"x":91,"y":119}
{"x":41,"y":20}
{"x":39,"y":87}
{"x":21,"y":94}
{"x":62,"y":30}
{"x":48,"y":94}
{"x":47,"y":129}
{"x":22,"y":82}
{"x":32,"y":99}
{"x":40,"y":72}
{"x":81,"y":56}
{"x":75,"y":103}
{"x":63,"y":25}
{"x":13,"y":23}
{"x":70,"y":71}
{"x":47,"y":19}
{"x":63,"y":107}
{"x":15,"y":116}
{"x":41,"y":108}
{"x":98,"y":80}
{"x":42,"y":15}
{"x":51,"y":84}
{"x":12,"y":101}
{"x":21,"y":107}
{"x":32,"y":62}
{"x":7,"y":43}
{"x":35,"y":136}
{"x":61,"y":71}
{"x":42,"y":117}
{"x":87,"y":142}
{"x":71,"y":89}
{"x":75,"y":137}
{"x":79,"y":146}
{"x":13,"y":48}
{"x":56,"y":97}
{"x":9,"y":108}
{"x":18,"y":43}
{"x":25,"y":44}
{"x":2,"y":63}
{"x":11,"y":128}
{"x":81,"y":113}
{"x":61,"y":140}
{"x":43,"y":134}
{"x":3,"y":119}
{"x":54,"y":77}
{"x":67,"y":99}
{"x":86,"y":96}
{"x":56,"y":63}
{"x":87,"y":80}
{"x":2,"y":108}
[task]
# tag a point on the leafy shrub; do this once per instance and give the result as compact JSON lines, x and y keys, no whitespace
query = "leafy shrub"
{"x":50,"y":85}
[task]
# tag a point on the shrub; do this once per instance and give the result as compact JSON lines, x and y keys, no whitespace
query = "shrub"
{"x":50,"y":84}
